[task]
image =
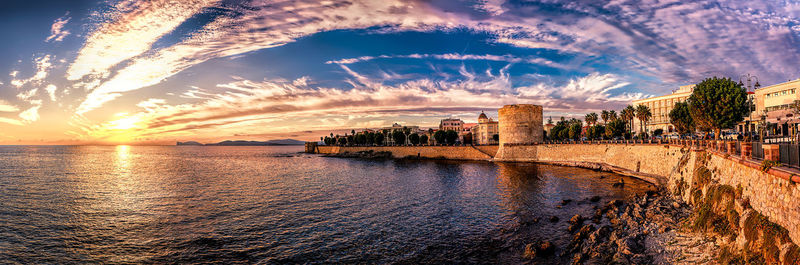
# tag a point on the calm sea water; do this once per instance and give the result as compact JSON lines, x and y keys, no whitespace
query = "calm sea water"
{"x":274,"y":205}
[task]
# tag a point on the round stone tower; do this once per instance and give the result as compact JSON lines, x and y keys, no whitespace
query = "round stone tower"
{"x":519,"y":124}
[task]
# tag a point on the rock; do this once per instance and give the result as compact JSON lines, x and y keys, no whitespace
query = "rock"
{"x":620,"y":259}
{"x":576,"y":219}
{"x":594,"y":199}
{"x":787,"y":252}
{"x":545,"y":248}
{"x":628,"y":246}
{"x":599,"y":234}
{"x":553,"y":219}
{"x":575,"y":222}
{"x":598,"y":216}
{"x":640,"y":259}
{"x":565,"y":202}
{"x":577,"y":258}
{"x":619,"y":184}
{"x":530,"y":251}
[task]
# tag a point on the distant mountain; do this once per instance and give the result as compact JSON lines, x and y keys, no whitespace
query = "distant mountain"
{"x":248,"y":143}
{"x":189,"y":143}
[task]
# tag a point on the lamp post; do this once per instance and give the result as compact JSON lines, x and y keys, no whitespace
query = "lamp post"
{"x":750,"y":87}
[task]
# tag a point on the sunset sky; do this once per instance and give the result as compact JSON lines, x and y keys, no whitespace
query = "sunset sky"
{"x":153,"y":72}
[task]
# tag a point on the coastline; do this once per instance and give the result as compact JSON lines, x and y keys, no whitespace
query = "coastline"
{"x":725,"y":193}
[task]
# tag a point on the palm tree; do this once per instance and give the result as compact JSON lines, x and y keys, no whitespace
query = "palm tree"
{"x":643,"y":114}
{"x":612,"y":115}
{"x":591,"y":118}
{"x":628,"y":114}
{"x":604,"y":116}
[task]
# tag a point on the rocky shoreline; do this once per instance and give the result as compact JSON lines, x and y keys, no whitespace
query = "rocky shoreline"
{"x":646,"y":229}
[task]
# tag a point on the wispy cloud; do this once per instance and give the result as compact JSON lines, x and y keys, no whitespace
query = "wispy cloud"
{"x":134,"y":27}
{"x":7,"y":107}
{"x":287,"y":102}
{"x":31,"y":114}
{"x":455,"y":56}
{"x":43,"y":65}
{"x":596,"y":48}
{"x":678,"y":42}
{"x":57,"y":31}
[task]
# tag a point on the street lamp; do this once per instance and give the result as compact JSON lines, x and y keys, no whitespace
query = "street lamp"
{"x":751,"y":85}
{"x":752,"y":82}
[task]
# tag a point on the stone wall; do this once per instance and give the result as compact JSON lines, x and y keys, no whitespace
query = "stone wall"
{"x":443,"y":152}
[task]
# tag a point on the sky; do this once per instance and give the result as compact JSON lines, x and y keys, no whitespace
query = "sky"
{"x":160,"y":71}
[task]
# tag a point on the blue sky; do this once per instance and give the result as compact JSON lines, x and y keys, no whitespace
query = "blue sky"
{"x":156,"y":71}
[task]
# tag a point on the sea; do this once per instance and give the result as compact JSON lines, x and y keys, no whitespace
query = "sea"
{"x":277,"y":205}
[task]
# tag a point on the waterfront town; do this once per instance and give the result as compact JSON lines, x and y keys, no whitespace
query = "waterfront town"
{"x":772,"y":115}
{"x":721,"y":153}
{"x":400,"y":132}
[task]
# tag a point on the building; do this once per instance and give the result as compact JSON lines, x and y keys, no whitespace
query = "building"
{"x":660,"y":107}
{"x":772,"y":104}
{"x":451,"y":124}
{"x":775,"y":105}
{"x":397,"y":127}
{"x":466,"y":133}
{"x":484,"y":132}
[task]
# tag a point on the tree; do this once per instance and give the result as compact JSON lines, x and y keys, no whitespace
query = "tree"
{"x":597,"y":132}
{"x":361,"y":139}
{"x":575,"y":131}
{"x":370,"y":138}
{"x":451,"y":136}
{"x":399,"y":137}
{"x":604,"y":116}
{"x":351,"y":139}
{"x":414,"y":138}
{"x":681,"y":118}
{"x":496,"y":137}
{"x":379,"y":138}
{"x":342,"y":141}
{"x":423,"y":139}
{"x":591,"y":118}
{"x":563,"y":134}
{"x":718,"y":103}
{"x":439,"y":137}
{"x":627,"y":114}
{"x":612,"y":115}
{"x":615,"y":128}
{"x":643,"y":114}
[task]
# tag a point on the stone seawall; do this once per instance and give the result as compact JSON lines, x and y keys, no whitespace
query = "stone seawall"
{"x":438,"y":152}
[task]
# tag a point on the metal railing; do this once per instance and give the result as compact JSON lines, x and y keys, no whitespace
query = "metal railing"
{"x":789,"y":154}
